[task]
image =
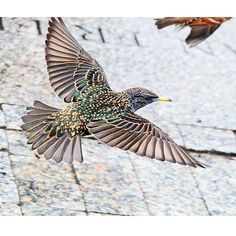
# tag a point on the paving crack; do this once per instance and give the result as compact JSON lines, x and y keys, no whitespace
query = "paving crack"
{"x":180,"y":134}
{"x":11,"y":104}
{"x":230,"y":48}
{"x":77,"y":181}
{"x":11,"y":166}
{"x":4,"y":150}
{"x":228,"y":155}
{"x":13,"y":129}
{"x":203,"y":126}
{"x":200,"y":192}
{"x":1,"y":24}
{"x":140,"y":186}
{"x":38,"y":26}
{"x":107,"y":213}
{"x":136,"y":39}
{"x":192,"y":174}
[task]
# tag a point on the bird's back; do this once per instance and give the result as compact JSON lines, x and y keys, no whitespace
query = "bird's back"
{"x":99,"y":104}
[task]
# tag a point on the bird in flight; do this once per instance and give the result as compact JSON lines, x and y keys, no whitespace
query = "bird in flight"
{"x":201,"y":27}
{"x":94,"y":109}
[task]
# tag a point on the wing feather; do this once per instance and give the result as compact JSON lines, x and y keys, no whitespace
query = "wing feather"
{"x":200,"y":33}
{"x":72,"y":71}
{"x":133,"y":133}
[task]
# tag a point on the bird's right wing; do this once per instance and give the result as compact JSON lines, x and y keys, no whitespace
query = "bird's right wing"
{"x":72,"y":71}
{"x":136,"y":134}
{"x":200,"y":33}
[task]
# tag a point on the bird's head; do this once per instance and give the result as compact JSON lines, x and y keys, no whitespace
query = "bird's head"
{"x":140,"y":97}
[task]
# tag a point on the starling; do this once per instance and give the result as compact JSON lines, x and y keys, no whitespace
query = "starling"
{"x":201,"y":27}
{"x":94,"y":109}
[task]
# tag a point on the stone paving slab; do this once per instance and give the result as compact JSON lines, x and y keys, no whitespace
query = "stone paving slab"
{"x":50,"y":211}
{"x":8,"y":187}
{"x":43,"y":184}
{"x":13,"y":114}
{"x":109,"y":182}
{"x":100,"y":214}
{"x":10,"y":209}
{"x":208,"y":139}
{"x":217,"y":184}
{"x":18,"y":143}
{"x":169,"y":189}
{"x":3,"y":140}
{"x":2,"y":119}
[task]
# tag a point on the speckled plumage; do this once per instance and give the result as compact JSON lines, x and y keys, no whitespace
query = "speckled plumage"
{"x":94,"y":109}
{"x":96,"y":104}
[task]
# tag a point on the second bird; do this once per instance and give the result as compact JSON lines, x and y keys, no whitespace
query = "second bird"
{"x":95,"y":109}
{"x":201,"y":27}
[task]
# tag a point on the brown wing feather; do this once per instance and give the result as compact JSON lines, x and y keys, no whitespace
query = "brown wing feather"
{"x":200,"y":33}
{"x":132,"y":132}
{"x":71,"y":69}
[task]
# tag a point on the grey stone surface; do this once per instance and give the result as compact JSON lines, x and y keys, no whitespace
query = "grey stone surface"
{"x":10,"y":209}
{"x":18,"y":143}
{"x":8,"y":188}
{"x":3,"y":140}
{"x":43,"y":184}
{"x":109,"y":182}
{"x":217,"y":184}
{"x":100,"y":214}
{"x":209,"y":139}
{"x":2,"y":119}
{"x":13,"y":115}
{"x":30,"y":210}
{"x":200,"y":81}
{"x":168,"y":189}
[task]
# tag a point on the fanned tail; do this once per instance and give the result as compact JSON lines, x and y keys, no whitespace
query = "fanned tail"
{"x":47,"y":138}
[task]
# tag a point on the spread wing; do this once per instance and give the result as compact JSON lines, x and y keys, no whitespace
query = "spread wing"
{"x":132,"y":132}
{"x":72,"y":71}
{"x":200,"y":33}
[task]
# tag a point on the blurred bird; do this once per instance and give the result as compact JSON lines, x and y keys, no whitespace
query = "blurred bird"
{"x":201,"y":27}
{"x":95,"y":109}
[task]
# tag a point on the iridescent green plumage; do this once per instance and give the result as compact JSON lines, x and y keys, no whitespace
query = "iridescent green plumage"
{"x":95,"y":109}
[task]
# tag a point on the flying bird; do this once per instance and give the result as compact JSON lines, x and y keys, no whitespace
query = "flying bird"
{"x":201,"y":27}
{"x":93,"y":109}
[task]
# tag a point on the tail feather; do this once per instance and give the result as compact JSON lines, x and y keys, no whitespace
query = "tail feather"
{"x":47,"y":143}
{"x":47,"y":138}
{"x":30,"y":118}
{"x":53,"y":146}
{"x":60,"y":149}
{"x":167,"y":21}
{"x":35,"y":130}
{"x":40,"y":105}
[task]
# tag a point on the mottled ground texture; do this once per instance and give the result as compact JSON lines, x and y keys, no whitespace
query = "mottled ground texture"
{"x":202,"y":118}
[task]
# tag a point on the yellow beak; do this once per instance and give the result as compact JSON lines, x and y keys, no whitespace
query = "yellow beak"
{"x":163,"y":99}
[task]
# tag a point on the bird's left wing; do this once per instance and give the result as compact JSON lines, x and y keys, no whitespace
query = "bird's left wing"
{"x":72,"y":71}
{"x":136,"y":134}
{"x":200,"y":33}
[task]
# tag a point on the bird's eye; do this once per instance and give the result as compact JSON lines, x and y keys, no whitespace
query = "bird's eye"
{"x":138,"y":96}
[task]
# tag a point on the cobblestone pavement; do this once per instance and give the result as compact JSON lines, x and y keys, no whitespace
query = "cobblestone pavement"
{"x":202,"y":118}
